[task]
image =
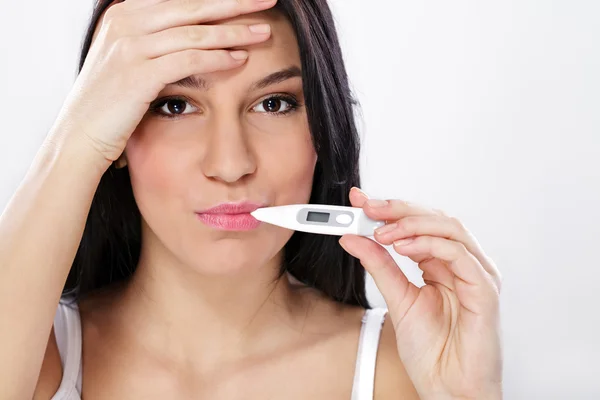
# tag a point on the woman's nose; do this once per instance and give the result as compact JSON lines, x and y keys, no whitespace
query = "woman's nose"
{"x":229,"y":155}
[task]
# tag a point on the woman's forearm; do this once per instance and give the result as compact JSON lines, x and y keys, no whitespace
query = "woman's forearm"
{"x":40,"y":231}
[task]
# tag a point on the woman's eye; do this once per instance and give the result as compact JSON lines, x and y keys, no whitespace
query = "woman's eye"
{"x":174,"y":107}
{"x":275,"y":105}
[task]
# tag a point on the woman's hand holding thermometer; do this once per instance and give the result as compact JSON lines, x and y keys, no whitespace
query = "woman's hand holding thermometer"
{"x":447,"y":332}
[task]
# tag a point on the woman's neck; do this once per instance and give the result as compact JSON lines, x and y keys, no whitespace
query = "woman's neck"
{"x":205,"y":321}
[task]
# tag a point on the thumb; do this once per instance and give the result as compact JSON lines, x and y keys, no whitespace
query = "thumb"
{"x":388,"y":277}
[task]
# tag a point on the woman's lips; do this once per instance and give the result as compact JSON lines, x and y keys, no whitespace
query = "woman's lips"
{"x":234,"y":216}
{"x":230,"y":222}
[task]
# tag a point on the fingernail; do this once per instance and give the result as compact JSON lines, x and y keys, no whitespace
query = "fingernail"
{"x":239,"y":54}
{"x":260,"y":28}
{"x":377,"y":203}
{"x":403,"y":242}
{"x":386,"y":228}
{"x":366,"y":196}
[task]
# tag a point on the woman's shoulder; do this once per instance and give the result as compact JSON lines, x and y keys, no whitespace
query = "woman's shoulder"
{"x":391,"y":378}
{"x":345,"y":322}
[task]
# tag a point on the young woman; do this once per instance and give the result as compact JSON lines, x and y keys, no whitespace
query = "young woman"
{"x":130,"y":266}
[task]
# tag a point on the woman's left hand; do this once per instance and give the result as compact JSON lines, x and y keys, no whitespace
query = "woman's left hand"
{"x":448,"y":331}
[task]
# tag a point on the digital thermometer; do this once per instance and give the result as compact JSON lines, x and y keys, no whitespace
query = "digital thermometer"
{"x":319,"y":218}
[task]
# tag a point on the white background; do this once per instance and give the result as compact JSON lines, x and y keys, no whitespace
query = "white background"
{"x":487,"y":110}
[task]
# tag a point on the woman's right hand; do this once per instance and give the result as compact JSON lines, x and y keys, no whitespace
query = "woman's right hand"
{"x":139,"y":47}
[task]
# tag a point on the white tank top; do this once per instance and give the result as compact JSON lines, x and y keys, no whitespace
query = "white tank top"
{"x":67,"y":329}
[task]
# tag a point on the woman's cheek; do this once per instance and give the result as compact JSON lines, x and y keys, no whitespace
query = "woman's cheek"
{"x":153,"y":171}
{"x":292,"y":174}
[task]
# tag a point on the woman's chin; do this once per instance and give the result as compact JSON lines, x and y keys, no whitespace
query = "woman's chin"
{"x":233,"y":261}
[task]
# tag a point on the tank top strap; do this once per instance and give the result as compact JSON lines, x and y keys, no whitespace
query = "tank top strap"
{"x":67,"y":329}
{"x":368,"y":344}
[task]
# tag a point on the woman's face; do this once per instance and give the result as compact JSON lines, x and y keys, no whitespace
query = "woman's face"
{"x":230,"y":141}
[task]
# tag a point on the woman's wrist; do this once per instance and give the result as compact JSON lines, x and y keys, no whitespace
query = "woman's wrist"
{"x":70,"y":147}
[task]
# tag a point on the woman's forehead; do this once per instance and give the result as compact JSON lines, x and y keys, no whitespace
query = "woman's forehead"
{"x":283,"y":37}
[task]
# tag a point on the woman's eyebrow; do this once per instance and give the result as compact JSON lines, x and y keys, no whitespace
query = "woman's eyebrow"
{"x":198,"y":83}
{"x":277,"y":77}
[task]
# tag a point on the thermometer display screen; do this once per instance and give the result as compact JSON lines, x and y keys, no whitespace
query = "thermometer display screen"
{"x":317,"y":217}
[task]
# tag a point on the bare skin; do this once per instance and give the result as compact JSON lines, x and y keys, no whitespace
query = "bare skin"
{"x":204,"y":315}
{"x":192,"y":323}
{"x":314,"y":358}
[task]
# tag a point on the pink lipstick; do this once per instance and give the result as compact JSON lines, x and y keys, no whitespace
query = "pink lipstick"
{"x":231,"y":216}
